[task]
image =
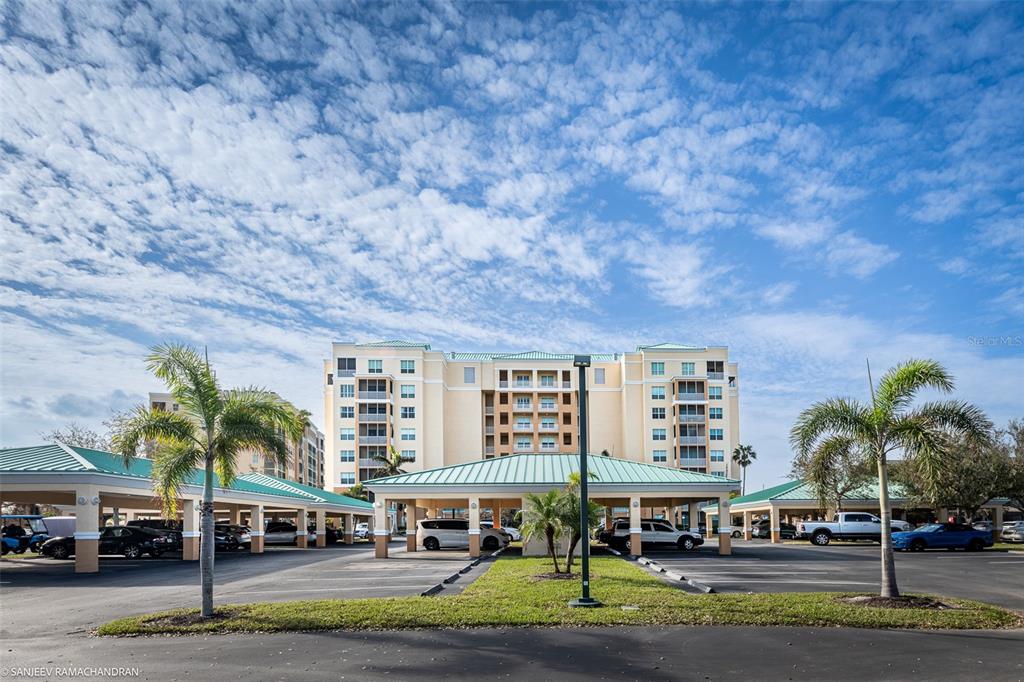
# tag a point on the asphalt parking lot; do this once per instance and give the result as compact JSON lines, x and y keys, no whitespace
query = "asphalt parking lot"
{"x":37,"y":593}
{"x":992,"y":576}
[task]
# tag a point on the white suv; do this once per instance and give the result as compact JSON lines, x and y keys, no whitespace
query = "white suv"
{"x":653,"y":532}
{"x":454,"y":533}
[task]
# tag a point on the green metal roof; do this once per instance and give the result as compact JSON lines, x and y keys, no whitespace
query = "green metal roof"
{"x":799,"y":491}
{"x":546,"y":469}
{"x":670,"y":346}
{"x":57,"y":459}
{"x":396,"y":343}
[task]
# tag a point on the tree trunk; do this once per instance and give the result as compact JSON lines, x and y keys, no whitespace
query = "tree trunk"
{"x":206,"y":540}
{"x":551,"y":548}
{"x":573,"y":541}
{"x":889,"y":588}
{"x":743,"y":483}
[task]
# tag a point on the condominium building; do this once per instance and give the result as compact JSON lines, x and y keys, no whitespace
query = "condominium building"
{"x":668,"y":404}
{"x":305,"y":462}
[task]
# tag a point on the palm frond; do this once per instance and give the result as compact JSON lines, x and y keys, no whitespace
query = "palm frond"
{"x":900,"y":383}
{"x":241,"y":432}
{"x":175,"y":464}
{"x":958,"y":417}
{"x":165,"y":428}
{"x":189,"y":379}
{"x":835,"y":416}
{"x":265,"y":406}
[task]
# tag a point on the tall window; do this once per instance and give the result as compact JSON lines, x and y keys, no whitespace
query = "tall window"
{"x":715,"y":434}
{"x":718,"y":455}
{"x":714,"y":413}
{"x":347,"y":412}
{"x":658,"y":434}
{"x":657,"y":369}
{"x":599,"y":375}
{"x":522,"y":402}
{"x":375,"y":366}
{"x":469,"y":375}
{"x":408,"y":434}
{"x":714,"y":392}
{"x":348,"y":455}
{"x":348,"y":434}
{"x":547,"y":380}
{"x":657,"y":392}
{"x":408,"y":390}
{"x":407,"y":367}
{"x":689,"y":369}
{"x":347,"y":478}
{"x":660,"y":455}
{"x":523,"y":380}
{"x":408,"y":412}
{"x":657,"y":413}
{"x":346,"y":367}
{"x":347,"y":390}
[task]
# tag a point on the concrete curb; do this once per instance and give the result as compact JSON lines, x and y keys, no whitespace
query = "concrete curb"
{"x":655,"y":567}
{"x":431,"y":591}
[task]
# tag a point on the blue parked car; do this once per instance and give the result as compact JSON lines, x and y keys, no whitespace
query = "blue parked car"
{"x":942,"y":536}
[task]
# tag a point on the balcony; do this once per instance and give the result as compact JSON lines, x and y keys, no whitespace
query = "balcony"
{"x":369,"y":464}
{"x":373,"y":440}
{"x":373,"y":395}
{"x":502,"y":384}
{"x":523,"y":408}
{"x":720,"y":376}
{"x":489,"y":430}
{"x":692,"y":440}
{"x":522,"y":447}
{"x":549,"y":428}
{"x":691,"y":418}
{"x":686,"y":396}
{"x":345,"y":373}
{"x":523,"y":385}
{"x":523,"y":427}
{"x":551,"y":407}
{"x":372,"y":418}
{"x":489,"y":450}
{"x":689,"y":462}
{"x":566,"y":384}
{"x":489,"y":409}
{"x":548,"y":447}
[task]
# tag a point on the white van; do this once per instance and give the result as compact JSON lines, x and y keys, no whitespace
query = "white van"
{"x":435,"y":534}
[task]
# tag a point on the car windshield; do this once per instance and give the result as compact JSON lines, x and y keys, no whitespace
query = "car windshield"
{"x":930,"y":528}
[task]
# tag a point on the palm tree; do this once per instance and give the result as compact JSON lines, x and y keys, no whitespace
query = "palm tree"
{"x":542,"y":516}
{"x":891,"y":424}
{"x":570,"y":510}
{"x":744,"y":455}
{"x":390,"y":463}
{"x":833,"y":469}
{"x":208,"y":433}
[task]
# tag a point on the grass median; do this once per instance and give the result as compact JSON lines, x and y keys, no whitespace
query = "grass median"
{"x":513,"y":593}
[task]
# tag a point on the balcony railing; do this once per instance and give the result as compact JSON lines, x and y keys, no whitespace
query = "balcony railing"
{"x":489,"y":449}
{"x":548,"y":385}
{"x":489,"y":409}
{"x":502,"y":384}
{"x":716,"y":375}
{"x":553,"y":407}
{"x":522,"y":427}
{"x":345,"y":373}
{"x":566,"y":384}
{"x":691,"y":418}
{"x":369,"y":464}
{"x":373,"y":440}
{"x":371,"y":418}
{"x":523,"y":384}
{"x":373,"y":395}
{"x":548,"y":446}
{"x":549,"y":428}
{"x":692,"y":440}
{"x":489,"y":430}
{"x":693,"y":461}
{"x":687,"y":395}
{"x":523,"y":408}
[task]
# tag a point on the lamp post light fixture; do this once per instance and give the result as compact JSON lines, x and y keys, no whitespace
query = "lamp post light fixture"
{"x":585,"y":600}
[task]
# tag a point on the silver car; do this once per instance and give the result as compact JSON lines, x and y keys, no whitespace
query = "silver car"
{"x":435,"y":534}
{"x":1013,"y":533}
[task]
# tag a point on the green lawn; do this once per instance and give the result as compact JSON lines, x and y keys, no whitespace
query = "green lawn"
{"x":511,"y":594}
{"x":1011,"y":546}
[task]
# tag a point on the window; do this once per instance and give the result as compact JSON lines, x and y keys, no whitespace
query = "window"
{"x":657,"y":392}
{"x":523,"y":402}
{"x":567,"y":438}
{"x":718,"y":455}
{"x":408,"y":434}
{"x":715,"y":434}
{"x":407,"y":367}
{"x":348,"y":434}
{"x":658,"y":369}
{"x":714,"y":413}
{"x":346,"y":367}
{"x":375,"y":366}
{"x":523,"y":443}
{"x":548,"y":423}
{"x":523,"y":423}
{"x":408,"y":390}
{"x":347,"y":412}
{"x":174,"y":407}
{"x":469,"y":375}
{"x":599,"y":375}
{"x":347,"y":390}
{"x":347,"y":478}
{"x":658,"y":434}
{"x":408,"y":455}
{"x":719,"y":474}
{"x":547,"y":380}
{"x":523,"y":380}
{"x":689,"y":369}
{"x":547,"y":403}
{"x":660,"y":455}
{"x":408,"y":413}
{"x":657,"y":413}
{"x":348,"y":455}
{"x":714,"y":392}
{"x":548,"y":443}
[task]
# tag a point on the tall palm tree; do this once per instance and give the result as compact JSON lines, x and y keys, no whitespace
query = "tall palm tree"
{"x":744,"y":455}
{"x":570,"y":511}
{"x":212,"y":427}
{"x":890,"y":423}
{"x":389,"y":463}
{"x":542,"y":516}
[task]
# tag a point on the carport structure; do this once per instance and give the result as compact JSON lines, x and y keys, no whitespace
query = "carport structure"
{"x":93,"y":482}
{"x":792,"y":501}
{"x":504,"y":481}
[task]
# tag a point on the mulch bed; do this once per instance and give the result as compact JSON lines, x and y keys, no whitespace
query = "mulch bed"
{"x":556,"y":576}
{"x":896,"y":602}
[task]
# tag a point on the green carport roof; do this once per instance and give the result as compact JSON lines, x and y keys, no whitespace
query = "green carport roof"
{"x":546,"y":469}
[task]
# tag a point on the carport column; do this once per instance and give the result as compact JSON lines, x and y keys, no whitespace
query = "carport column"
{"x":775,"y":525}
{"x":635,"y":540}
{"x":190,"y":530}
{"x":747,"y":530}
{"x":350,"y":529}
{"x":256,"y":529}
{"x":380,"y":528}
{"x":301,"y":529}
{"x":87,"y":530}
{"x":474,"y":526}
{"x":496,"y":513}
{"x":724,"y":526}
{"x":694,"y":516}
{"x":412,"y":516}
{"x":321,"y":528}
{"x":236,"y":515}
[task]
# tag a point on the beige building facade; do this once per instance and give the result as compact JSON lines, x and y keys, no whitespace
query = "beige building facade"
{"x":305,"y":460}
{"x":667,"y":404}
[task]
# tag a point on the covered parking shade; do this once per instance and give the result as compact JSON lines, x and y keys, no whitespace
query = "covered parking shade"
{"x":797,"y":499}
{"x":93,"y":480}
{"x":503,"y":481}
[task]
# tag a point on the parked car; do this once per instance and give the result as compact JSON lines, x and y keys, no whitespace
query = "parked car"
{"x":279,"y":533}
{"x":127,"y":540}
{"x":846,"y":526}
{"x":362,"y":531}
{"x":513,"y":533}
{"x":653,"y":532}
{"x":763,"y":529}
{"x":241,"y":534}
{"x":331,"y":535}
{"x":434,"y":534}
{"x":942,"y":536}
{"x":1012,"y":532}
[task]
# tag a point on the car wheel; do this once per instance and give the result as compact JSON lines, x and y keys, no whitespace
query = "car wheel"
{"x":132,"y":552}
{"x":431,"y":544}
{"x":917,"y":545}
{"x":59,"y":552}
{"x":4,"y":550}
{"x":685,"y":543}
{"x":20,"y":549}
{"x":821,"y":538}
{"x":975,"y":545}
{"x":736,"y":534}
{"x":490,"y":543}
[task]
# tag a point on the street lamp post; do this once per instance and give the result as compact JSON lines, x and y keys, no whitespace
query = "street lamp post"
{"x":585,"y":600}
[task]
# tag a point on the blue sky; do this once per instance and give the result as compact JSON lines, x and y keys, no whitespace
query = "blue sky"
{"x":810,"y":184}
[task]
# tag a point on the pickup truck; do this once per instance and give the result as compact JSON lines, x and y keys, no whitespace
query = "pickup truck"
{"x":846,"y":526}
